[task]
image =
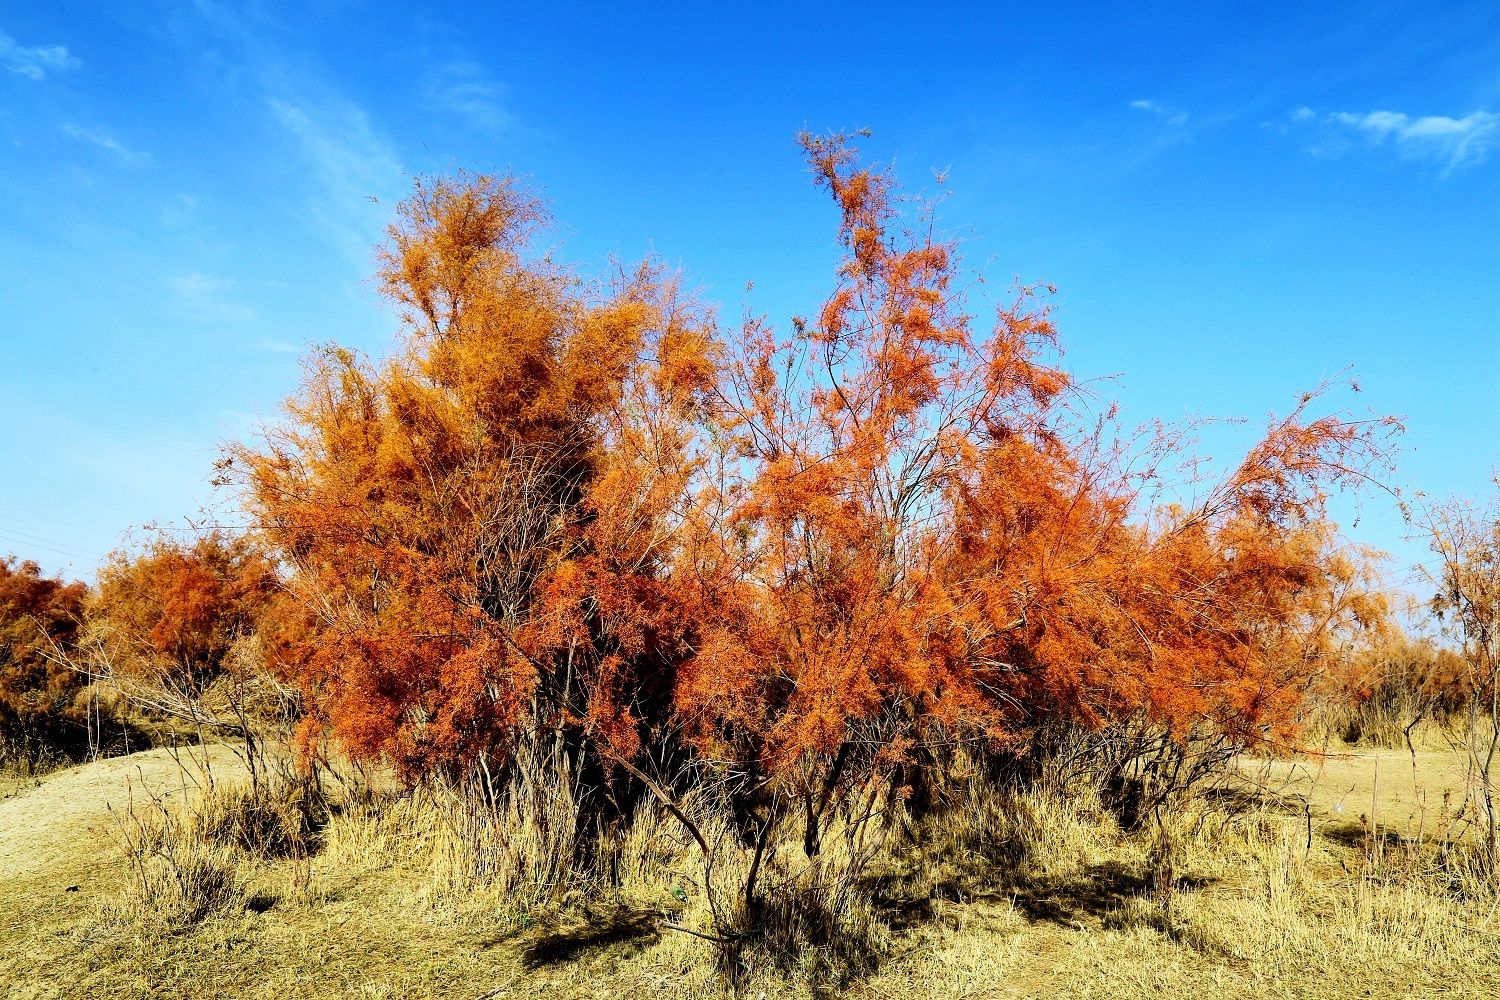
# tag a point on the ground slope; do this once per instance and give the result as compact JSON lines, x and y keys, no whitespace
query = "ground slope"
{"x":61,"y":824}
{"x":1317,"y":932}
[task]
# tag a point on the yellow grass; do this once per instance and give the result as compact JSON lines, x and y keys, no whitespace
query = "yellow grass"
{"x":1410,"y":794}
{"x":1022,"y":897}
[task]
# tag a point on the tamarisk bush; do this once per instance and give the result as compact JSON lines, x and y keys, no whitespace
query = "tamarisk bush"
{"x":43,"y":709}
{"x":792,"y":573}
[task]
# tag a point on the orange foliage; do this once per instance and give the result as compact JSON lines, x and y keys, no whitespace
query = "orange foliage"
{"x":39,"y":695}
{"x":1412,"y":678}
{"x":575,"y":508}
{"x":169,"y":615}
{"x":914,"y":543}
{"x":472,"y":534}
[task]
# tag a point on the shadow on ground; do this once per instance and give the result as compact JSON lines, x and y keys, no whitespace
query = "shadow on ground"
{"x":635,"y":928}
{"x":1093,"y":893}
{"x":1353,"y":833}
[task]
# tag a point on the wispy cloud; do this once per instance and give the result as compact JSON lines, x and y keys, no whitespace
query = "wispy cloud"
{"x":208,"y":299}
{"x":105,"y":141}
{"x":1169,"y":117}
{"x":464,"y":88}
{"x":35,"y":61}
{"x":1455,"y":143}
{"x":352,"y":163}
{"x":349,"y":162}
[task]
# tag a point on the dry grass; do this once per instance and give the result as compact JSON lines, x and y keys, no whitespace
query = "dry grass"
{"x":1005,"y":895}
{"x":1346,"y":790}
{"x":176,"y":878}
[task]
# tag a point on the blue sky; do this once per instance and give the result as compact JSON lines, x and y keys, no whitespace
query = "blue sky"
{"x":1232,"y":205}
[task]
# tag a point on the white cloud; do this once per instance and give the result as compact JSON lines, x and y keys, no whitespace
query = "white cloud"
{"x":347,"y":163}
{"x":462,"y":87}
{"x":1456,"y":143}
{"x":1303,"y":113}
{"x":206,"y":298}
{"x":1172,"y":119}
{"x":35,"y":61}
{"x":104,"y":140}
{"x":352,"y":164}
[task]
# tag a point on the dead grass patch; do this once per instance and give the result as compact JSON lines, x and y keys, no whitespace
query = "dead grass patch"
{"x":1006,"y":894}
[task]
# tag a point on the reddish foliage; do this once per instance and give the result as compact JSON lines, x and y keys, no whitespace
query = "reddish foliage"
{"x":569,"y":508}
{"x":471,"y":531}
{"x":170,"y":614}
{"x":39,"y":694}
{"x":913,"y":543}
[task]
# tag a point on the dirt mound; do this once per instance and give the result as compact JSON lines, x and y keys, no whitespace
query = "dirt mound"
{"x":60,"y":824}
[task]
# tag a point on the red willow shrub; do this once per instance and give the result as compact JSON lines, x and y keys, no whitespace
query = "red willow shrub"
{"x":171,"y":613}
{"x":788,"y":565}
{"x":176,"y":628}
{"x":43,"y":710}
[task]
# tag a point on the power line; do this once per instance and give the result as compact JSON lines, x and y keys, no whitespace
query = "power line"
{"x":49,"y":548}
{"x":40,"y":541}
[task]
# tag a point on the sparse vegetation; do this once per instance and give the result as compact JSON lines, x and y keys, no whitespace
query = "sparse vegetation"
{"x":1037,"y":892}
{"x":582,"y":642}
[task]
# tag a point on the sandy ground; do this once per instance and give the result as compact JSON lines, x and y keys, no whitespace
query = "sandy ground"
{"x":44,"y":823}
{"x":1405,"y":793}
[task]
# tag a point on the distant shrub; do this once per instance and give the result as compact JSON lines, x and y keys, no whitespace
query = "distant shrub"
{"x":174,"y":628}
{"x":170,"y":616}
{"x":44,"y":712}
{"x":1394,"y":685}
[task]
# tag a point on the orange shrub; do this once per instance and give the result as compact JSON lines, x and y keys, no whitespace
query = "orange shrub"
{"x":577,"y":512}
{"x":164,"y":620}
{"x":474,"y":546}
{"x":42,"y":711}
